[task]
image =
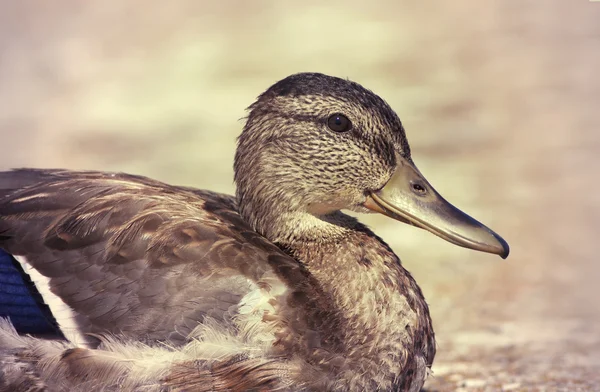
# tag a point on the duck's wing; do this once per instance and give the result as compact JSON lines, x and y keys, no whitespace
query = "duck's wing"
{"x":130,"y":255}
{"x":142,"y":261}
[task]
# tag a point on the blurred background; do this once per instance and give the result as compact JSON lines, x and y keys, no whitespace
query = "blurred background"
{"x":500,"y":101}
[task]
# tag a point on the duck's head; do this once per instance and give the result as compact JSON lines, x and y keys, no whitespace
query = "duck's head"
{"x":315,"y":144}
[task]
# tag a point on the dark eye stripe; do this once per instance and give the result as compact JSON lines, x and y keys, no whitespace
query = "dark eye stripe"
{"x":339,"y":123}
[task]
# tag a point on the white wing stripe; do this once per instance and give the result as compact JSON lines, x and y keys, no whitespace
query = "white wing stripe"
{"x":64,"y":315}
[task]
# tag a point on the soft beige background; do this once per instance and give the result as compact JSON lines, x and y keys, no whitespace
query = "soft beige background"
{"x":499,"y":99}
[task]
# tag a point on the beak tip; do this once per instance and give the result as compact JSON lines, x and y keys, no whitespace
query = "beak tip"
{"x":504,"y":245}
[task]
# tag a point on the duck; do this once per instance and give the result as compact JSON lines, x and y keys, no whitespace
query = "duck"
{"x":275,"y":288}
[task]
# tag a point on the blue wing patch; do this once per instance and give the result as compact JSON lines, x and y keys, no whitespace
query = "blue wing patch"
{"x":21,"y":302}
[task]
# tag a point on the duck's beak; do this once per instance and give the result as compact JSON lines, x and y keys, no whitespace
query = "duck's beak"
{"x":409,"y":198}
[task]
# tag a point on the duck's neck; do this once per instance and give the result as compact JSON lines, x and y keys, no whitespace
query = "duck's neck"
{"x":289,"y":226}
{"x":377,"y":322}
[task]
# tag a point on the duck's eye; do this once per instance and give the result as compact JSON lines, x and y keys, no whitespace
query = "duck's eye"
{"x":339,"y":123}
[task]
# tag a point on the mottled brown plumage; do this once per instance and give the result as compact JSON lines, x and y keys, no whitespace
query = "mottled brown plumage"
{"x":189,"y":290}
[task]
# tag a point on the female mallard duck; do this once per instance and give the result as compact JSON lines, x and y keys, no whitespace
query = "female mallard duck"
{"x":180,"y":289}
